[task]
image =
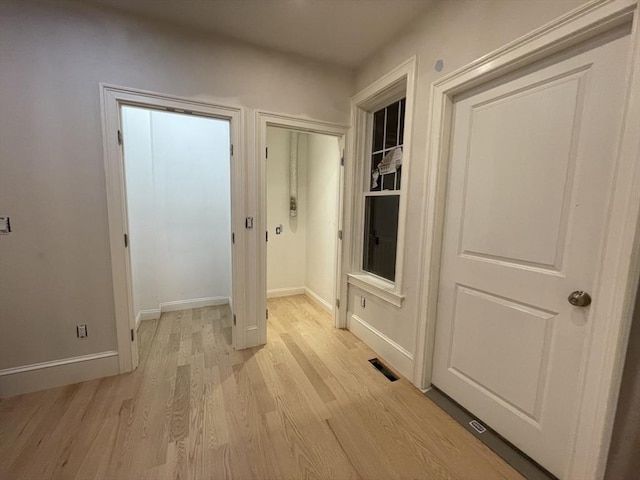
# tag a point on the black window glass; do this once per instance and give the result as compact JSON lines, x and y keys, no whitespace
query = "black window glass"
{"x":391,"y":135}
{"x":378,"y":131}
{"x":389,"y":182}
{"x":381,"y":235}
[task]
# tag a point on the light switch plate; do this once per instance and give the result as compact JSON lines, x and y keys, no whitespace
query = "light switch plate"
{"x":5,"y":226}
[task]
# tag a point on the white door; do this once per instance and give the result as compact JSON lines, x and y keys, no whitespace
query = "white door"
{"x":531,"y":168}
{"x":339,"y":220}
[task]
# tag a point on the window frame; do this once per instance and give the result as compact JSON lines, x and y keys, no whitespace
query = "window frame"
{"x":395,"y":85}
{"x":366,"y":187}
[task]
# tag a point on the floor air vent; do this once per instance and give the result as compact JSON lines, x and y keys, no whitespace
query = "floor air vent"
{"x":383,"y":369}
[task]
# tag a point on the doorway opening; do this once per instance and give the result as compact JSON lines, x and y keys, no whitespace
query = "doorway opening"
{"x":302,"y":178}
{"x":175,"y":220}
{"x":178,"y":188}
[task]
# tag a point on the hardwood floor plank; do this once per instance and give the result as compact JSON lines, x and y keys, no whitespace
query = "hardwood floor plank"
{"x":304,"y":343}
{"x":460,"y":450}
{"x":237,"y":432}
{"x":218,"y":463}
{"x":298,"y":387}
{"x":58,"y":445}
{"x":286,"y":457}
{"x":181,"y":465}
{"x":21,"y":417}
{"x":307,"y":367}
{"x":156,"y":439}
{"x":322,"y":458}
{"x":181,"y":403}
{"x":196,"y":418}
{"x":363,"y":454}
{"x":119,"y":462}
{"x":258,"y":448}
{"x":146,"y":333}
{"x":19,"y":465}
{"x":196,"y":343}
{"x":265,"y":401}
{"x":95,"y":463}
{"x":405,"y":450}
{"x":307,"y":405}
{"x":16,"y":415}
{"x":215,"y":432}
{"x":88,"y":429}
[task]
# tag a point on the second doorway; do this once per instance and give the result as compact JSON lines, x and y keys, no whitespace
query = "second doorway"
{"x":303,"y":185}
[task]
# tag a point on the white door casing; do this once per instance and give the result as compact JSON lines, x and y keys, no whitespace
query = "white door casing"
{"x":112,"y":98}
{"x":530,"y":180}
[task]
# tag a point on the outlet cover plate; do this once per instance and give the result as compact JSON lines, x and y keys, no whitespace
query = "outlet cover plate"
{"x":81,"y":330}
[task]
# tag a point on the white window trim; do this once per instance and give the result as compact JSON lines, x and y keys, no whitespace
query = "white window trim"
{"x":398,"y":83}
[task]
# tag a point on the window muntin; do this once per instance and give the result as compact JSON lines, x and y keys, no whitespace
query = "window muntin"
{"x":382,"y":197}
{"x":387,"y":147}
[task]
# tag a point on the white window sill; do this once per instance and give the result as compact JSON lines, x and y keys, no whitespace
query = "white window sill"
{"x":382,"y":289}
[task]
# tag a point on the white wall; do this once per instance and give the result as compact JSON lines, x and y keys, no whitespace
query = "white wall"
{"x":323,"y":176}
{"x":457,"y":33}
{"x":179,"y":202}
{"x":304,"y":255}
{"x":286,"y":265}
{"x":55,"y":269}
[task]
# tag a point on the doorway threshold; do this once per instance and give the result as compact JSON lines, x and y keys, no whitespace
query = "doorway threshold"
{"x":527,"y":467}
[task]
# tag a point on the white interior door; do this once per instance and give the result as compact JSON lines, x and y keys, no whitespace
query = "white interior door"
{"x":339,"y":221}
{"x":530,"y":175}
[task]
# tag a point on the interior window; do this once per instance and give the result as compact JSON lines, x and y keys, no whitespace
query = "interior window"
{"x":382,"y":198}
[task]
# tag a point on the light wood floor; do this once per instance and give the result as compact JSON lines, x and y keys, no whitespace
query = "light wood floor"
{"x":306,"y":406}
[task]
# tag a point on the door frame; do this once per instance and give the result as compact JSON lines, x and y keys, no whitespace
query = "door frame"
{"x":620,"y":266}
{"x":266,"y":119}
{"x":112,"y":98}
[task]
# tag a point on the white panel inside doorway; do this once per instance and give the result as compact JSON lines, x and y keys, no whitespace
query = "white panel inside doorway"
{"x":178,"y":184}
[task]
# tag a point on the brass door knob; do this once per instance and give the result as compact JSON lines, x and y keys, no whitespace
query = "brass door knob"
{"x":579,"y":299}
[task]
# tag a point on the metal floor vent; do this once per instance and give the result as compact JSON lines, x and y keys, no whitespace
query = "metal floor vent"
{"x":382,"y":368}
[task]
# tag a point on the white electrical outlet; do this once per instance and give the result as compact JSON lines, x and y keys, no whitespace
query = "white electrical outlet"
{"x":5,"y":226}
{"x":82,"y":330}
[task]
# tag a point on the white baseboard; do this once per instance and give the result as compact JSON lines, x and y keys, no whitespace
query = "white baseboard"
{"x":151,"y":314}
{"x":154,"y":313}
{"x":56,"y":373}
{"x":193,"y":303}
{"x":318,"y":299}
{"x":400,"y":359}
{"x":285,"y":292}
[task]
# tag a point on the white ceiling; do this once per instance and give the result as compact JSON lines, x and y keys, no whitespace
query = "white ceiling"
{"x":340,"y":31}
